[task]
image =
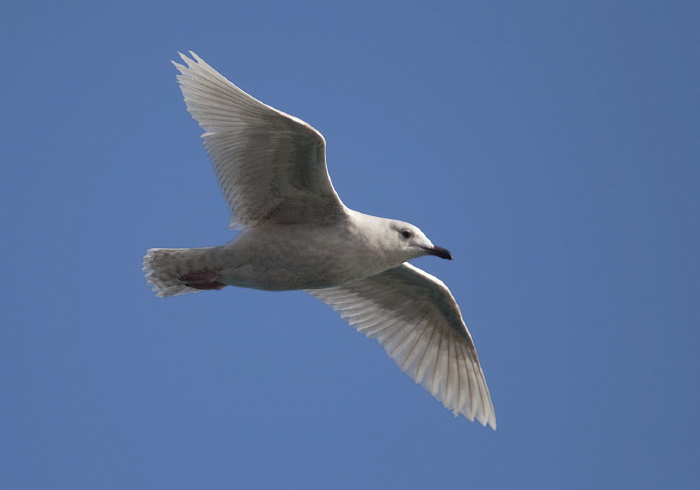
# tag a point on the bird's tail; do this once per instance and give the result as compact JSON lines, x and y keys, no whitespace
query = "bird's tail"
{"x":167,"y":268}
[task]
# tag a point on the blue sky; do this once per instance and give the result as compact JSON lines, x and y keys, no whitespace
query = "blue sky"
{"x":551,"y":146}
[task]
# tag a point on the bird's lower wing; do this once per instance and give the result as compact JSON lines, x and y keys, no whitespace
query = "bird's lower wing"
{"x":415,"y":318}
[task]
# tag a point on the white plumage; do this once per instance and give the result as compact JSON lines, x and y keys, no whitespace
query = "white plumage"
{"x":256,"y":151}
{"x":297,"y":234}
{"x":414,"y":317}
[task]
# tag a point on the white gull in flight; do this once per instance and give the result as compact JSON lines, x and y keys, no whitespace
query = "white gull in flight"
{"x":297,"y":234}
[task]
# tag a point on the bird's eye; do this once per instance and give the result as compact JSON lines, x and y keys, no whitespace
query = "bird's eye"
{"x":406,"y":234}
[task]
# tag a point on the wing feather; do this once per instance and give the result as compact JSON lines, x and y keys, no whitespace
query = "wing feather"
{"x":418,"y":323}
{"x":270,"y":165}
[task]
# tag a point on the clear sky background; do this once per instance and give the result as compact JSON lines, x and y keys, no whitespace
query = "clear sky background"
{"x":552,"y":146}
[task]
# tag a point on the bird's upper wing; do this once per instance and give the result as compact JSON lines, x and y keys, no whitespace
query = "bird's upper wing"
{"x":270,"y":165}
{"x":416,"y":319}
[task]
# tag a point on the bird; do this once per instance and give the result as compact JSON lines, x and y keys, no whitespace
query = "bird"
{"x":296,"y":234}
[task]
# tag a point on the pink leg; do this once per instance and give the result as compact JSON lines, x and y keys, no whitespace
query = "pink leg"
{"x":204,"y":280}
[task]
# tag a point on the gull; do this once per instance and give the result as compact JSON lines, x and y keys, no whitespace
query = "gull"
{"x":295,"y":233}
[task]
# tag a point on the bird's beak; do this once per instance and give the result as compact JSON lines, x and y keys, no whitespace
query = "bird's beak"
{"x":443,"y":253}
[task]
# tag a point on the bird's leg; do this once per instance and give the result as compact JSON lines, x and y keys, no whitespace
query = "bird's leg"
{"x":203,"y":280}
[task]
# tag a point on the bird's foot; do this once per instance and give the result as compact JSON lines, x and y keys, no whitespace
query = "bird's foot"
{"x":204,"y":280}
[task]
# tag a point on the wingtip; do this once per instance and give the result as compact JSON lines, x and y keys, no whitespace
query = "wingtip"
{"x":180,"y":68}
{"x":483,"y":416}
{"x":191,"y":61}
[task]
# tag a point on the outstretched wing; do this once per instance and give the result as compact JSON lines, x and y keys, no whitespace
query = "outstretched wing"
{"x":270,"y":165}
{"x":416,"y":319}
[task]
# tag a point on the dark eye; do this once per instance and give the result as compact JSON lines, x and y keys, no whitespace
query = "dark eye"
{"x":406,"y":234}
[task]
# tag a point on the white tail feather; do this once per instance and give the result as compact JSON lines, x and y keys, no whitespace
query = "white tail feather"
{"x":165,"y":266}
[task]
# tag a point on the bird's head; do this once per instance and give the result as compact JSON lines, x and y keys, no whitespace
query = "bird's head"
{"x":412,"y":242}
